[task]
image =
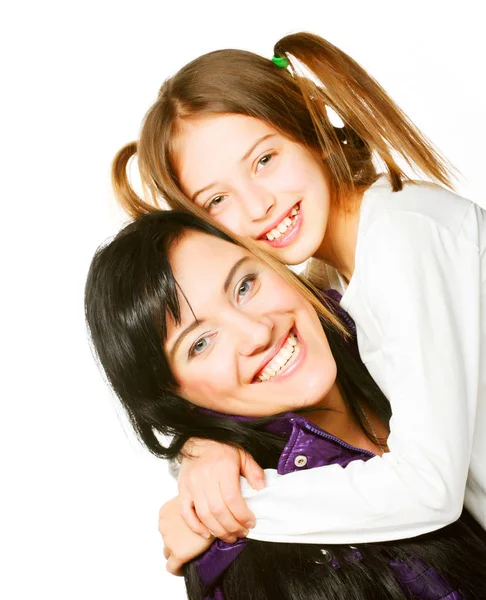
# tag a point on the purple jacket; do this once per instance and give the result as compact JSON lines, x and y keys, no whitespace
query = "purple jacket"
{"x":309,"y":447}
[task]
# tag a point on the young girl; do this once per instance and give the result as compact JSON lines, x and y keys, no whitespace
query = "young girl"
{"x":185,"y":323}
{"x":248,"y":142}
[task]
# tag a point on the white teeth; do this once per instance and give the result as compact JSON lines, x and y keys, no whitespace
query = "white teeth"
{"x":278,"y":361}
{"x":282,"y":227}
{"x":289,"y":350}
{"x":287,"y":353}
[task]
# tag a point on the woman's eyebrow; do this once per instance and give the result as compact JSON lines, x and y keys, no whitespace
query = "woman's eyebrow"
{"x":182,"y":335}
{"x":232,"y":272}
{"x":198,"y":322}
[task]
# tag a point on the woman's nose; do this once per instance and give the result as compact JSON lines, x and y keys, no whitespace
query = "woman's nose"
{"x":255,"y":335}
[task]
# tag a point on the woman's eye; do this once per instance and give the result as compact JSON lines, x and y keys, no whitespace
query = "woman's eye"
{"x":263,"y":162}
{"x":198,"y":347}
{"x":245,"y":286}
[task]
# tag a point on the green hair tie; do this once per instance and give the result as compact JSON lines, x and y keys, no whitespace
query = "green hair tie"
{"x":281,"y":62}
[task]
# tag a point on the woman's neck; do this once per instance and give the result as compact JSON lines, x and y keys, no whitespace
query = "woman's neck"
{"x":338,"y":420}
{"x":338,"y":248}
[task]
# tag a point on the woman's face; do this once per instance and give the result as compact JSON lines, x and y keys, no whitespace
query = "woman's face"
{"x":255,"y":182}
{"x":249,"y":343}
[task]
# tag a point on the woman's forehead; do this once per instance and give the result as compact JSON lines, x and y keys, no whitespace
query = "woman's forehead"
{"x":201,"y":263}
{"x":202,"y":266}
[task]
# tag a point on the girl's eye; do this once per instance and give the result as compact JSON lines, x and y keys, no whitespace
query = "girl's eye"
{"x":198,"y":347}
{"x":215,"y":202}
{"x":263,"y":162}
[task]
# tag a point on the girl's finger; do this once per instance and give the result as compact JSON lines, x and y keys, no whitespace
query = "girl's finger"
{"x":204,"y":512}
{"x":174,"y":566}
{"x":191,"y":519}
{"x":242,"y":515}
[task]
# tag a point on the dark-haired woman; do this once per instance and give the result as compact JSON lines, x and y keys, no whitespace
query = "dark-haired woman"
{"x":199,"y":337}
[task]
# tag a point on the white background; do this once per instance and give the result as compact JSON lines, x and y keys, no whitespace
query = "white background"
{"x":79,"y":496}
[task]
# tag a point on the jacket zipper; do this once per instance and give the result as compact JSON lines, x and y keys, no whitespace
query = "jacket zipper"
{"x":335,"y":439}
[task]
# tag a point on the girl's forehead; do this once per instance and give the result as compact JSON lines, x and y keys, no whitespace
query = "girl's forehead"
{"x":206,"y":147}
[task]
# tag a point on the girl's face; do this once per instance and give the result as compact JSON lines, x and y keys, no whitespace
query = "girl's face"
{"x":248,"y":344}
{"x":255,"y":182}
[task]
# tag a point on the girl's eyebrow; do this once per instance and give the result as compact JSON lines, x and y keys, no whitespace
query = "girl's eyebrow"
{"x":204,"y":189}
{"x":243,"y":158}
{"x":259,"y":141}
{"x":198,"y":322}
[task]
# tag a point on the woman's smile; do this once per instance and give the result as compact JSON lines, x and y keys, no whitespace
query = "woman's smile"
{"x":242,"y":324}
{"x":285,"y":361}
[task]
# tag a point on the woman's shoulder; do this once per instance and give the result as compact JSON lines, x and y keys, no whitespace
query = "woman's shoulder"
{"x":417,"y":202}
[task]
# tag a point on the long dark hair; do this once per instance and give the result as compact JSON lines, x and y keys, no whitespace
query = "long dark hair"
{"x":130,"y":292}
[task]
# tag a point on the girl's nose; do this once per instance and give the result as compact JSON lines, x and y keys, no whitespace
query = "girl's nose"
{"x":258,"y":203}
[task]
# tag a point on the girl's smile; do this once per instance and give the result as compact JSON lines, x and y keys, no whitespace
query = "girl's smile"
{"x":262,"y":185}
{"x":285,"y":230}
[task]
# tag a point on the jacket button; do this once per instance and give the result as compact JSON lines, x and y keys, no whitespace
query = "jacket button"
{"x":300,"y":461}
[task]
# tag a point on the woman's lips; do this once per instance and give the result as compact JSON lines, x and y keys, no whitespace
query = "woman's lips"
{"x":292,"y":365}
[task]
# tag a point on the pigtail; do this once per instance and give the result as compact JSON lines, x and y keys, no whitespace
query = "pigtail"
{"x":366,"y":110}
{"x":124,"y":193}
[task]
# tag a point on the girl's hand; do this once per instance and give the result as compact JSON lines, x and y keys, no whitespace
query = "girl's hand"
{"x":180,"y":544}
{"x":209,"y":489}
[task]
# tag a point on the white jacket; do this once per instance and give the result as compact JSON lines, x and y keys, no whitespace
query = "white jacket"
{"x":418,"y":297}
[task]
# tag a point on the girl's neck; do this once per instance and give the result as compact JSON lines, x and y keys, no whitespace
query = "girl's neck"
{"x":338,"y":248}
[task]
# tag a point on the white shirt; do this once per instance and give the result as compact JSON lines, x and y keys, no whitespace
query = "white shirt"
{"x":418,"y":297}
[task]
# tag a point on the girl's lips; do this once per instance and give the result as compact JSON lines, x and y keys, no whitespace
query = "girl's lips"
{"x":289,"y":236}
{"x":294,"y":364}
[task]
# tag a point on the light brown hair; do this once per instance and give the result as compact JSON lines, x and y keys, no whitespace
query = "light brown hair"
{"x":240,"y":82}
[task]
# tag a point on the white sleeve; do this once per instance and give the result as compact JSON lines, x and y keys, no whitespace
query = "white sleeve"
{"x":421,"y":286}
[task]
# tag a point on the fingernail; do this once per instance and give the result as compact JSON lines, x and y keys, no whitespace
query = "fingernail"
{"x":250,"y":524}
{"x":206,"y":536}
{"x":260,"y":484}
{"x":242,"y":534}
{"x":231,"y":540}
